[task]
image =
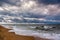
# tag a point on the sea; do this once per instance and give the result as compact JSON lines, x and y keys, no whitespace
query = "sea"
{"x":31,"y":31}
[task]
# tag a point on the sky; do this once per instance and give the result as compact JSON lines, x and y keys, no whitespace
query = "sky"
{"x":44,"y":10}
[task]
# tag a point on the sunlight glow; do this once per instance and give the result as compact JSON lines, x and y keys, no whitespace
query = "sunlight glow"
{"x":29,"y":4}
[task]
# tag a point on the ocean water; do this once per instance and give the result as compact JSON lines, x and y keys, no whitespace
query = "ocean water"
{"x":31,"y":31}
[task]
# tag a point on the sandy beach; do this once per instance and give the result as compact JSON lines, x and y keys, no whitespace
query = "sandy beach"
{"x":5,"y":35}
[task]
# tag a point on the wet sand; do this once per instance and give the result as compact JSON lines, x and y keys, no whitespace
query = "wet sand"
{"x":5,"y":35}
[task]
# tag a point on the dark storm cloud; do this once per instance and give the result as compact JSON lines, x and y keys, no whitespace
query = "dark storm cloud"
{"x":4,"y":1}
{"x":32,"y":9}
{"x":12,"y":2}
{"x":49,"y":1}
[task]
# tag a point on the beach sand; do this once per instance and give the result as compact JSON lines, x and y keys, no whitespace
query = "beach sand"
{"x":5,"y":35}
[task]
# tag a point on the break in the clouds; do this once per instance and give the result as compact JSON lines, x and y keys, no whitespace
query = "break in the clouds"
{"x":33,"y":9}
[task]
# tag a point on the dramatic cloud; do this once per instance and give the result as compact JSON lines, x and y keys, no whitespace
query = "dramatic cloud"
{"x":33,"y":9}
{"x":49,"y":1}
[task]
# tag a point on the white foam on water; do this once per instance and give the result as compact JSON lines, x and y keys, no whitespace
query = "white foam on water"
{"x":22,"y":31}
{"x":8,"y":26}
{"x":37,"y":34}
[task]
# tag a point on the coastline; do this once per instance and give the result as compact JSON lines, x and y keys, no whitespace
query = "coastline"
{"x":5,"y":35}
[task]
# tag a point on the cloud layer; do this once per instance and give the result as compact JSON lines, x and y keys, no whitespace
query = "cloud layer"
{"x":33,"y":9}
{"x":49,"y":1}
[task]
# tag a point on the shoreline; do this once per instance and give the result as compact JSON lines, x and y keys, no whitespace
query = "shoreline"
{"x":5,"y":35}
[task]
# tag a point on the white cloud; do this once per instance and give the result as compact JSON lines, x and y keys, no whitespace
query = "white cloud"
{"x":31,"y":6}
